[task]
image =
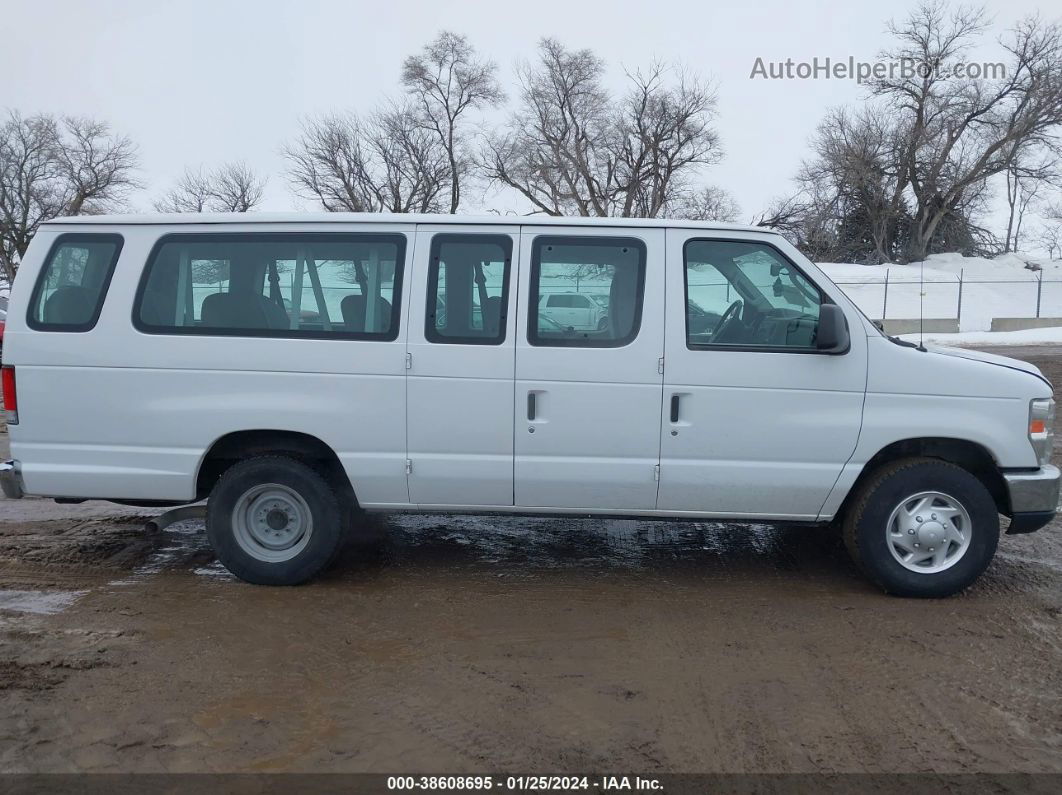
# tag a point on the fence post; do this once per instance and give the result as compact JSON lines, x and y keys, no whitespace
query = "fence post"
{"x":885,"y":298}
{"x":958,"y":309}
{"x":1039,"y":290}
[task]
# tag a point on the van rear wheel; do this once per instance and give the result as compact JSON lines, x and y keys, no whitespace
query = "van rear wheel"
{"x":922,"y":527}
{"x":273,"y":520}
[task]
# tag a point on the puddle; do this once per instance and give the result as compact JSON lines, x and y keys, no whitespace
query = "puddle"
{"x":215,"y":571}
{"x":184,"y":541}
{"x":562,"y":542}
{"x":43,"y":603}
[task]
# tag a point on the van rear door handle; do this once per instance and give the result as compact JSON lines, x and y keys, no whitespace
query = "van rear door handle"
{"x":674,"y":408}
{"x":530,"y":405}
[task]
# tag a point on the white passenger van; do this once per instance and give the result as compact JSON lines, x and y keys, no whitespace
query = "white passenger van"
{"x":296,"y":369}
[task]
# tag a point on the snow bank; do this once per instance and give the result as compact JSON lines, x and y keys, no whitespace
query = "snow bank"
{"x":1033,"y":336}
{"x":999,"y":287}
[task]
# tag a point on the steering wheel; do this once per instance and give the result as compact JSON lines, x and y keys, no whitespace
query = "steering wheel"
{"x":727,"y":317}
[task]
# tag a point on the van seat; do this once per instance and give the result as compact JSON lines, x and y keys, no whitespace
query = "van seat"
{"x":71,"y":304}
{"x":492,"y":311}
{"x":353,"y":308}
{"x":243,"y":310}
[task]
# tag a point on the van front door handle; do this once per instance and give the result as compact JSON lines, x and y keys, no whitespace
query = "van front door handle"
{"x":530,"y":406}
{"x":674,"y":408}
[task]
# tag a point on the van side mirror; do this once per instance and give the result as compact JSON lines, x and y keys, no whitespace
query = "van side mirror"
{"x":833,"y":335}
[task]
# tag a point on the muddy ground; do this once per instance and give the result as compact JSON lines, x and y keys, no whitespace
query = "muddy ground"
{"x":453,"y":644}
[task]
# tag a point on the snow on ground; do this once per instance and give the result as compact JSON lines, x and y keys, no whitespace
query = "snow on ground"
{"x":1032,"y":336}
{"x":999,"y":287}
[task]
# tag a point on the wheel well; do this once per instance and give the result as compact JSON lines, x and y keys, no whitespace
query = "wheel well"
{"x":971,"y":456}
{"x":234,"y":447}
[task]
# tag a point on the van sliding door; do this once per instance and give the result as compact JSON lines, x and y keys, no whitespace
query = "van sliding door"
{"x":588,"y":387}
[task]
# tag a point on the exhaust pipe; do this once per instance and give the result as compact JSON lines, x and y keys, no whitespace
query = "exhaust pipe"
{"x":164,"y":520}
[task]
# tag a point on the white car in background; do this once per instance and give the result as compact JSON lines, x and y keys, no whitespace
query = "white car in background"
{"x":576,"y":311}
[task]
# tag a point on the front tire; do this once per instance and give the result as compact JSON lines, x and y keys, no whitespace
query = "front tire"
{"x":273,"y":520}
{"x":922,"y":527}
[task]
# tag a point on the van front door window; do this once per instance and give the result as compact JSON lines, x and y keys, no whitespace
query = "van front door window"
{"x":747,"y":295}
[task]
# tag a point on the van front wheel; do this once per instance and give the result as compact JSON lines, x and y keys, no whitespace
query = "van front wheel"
{"x":273,"y":520}
{"x":922,"y":527}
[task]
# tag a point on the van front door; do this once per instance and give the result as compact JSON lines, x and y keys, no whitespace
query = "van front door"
{"x":460,"y":381}
{"x":756,"y":421}
{"x":588,"y":399}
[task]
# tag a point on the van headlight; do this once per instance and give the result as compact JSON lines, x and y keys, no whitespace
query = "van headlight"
{"x":1042,"y":428}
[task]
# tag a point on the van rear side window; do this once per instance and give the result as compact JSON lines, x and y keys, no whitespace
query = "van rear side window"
{"x":72,"y":284}
{"x":468,"y":289}
{"x":273,"y":285}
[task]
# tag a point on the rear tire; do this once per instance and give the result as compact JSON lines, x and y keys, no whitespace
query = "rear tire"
{"x":922,"y":527}
{"x":273,"y":520}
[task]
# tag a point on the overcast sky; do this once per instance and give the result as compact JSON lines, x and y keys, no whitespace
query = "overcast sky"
{"x":201,"y":82}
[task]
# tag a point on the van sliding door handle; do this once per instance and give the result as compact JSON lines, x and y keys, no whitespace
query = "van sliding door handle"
{"x":674,"y":408}
{"x":530,"y":405}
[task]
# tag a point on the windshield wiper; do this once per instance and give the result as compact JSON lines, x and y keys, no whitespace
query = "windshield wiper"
{"x":905,"y":343}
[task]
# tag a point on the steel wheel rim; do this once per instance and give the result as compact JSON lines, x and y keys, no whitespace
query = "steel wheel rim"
{"x":272,"y":523}
{"x":928,"y":532}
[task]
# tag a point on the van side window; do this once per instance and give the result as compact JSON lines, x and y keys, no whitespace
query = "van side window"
{"x":275,"y":285}
{"x":70,"y":289}
{"x":586,"y":291}
{"x":468,"y":289}
{"x":747,"y":295}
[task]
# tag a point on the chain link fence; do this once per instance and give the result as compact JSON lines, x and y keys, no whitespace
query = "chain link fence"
{"x":971,"y":303}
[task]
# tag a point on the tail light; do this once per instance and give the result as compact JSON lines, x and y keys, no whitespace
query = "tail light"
{"x":10,"y":395}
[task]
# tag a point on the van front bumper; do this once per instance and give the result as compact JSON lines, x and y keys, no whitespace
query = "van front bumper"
{"x":1033,"y":498}
{"x":11,"y":480}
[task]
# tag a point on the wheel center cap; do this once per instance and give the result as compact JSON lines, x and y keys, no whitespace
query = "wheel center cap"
{"x":930,"y":534}
{"x":277,"y":519}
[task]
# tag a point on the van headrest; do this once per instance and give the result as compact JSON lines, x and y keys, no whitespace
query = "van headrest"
{"x":354,"y":311}
{"x":243,"y":310}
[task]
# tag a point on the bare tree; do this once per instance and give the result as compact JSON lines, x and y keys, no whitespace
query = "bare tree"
{"x":51,"y":167}
{"x":809,"y":219}
{"x":857,"y":180}
{"x":960,"y":132}
{"x":574,"y":149}
{"x":1050,"y":234}
{"x":446,"y":81}
{"x":909,"y":173}
{"x":230,"y":188}
{"x":710,"y":203}
{"x":1050,"y":238}
{"x":1025,"y":180}
{"x":386,"y":162}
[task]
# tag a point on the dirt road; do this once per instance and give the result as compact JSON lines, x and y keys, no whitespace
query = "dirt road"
{"x":460,"y":644}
